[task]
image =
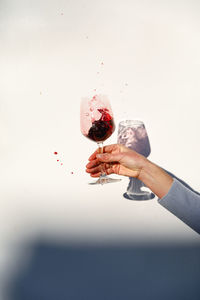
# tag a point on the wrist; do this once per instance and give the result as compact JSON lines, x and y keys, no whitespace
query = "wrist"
{"x":155,"y":178}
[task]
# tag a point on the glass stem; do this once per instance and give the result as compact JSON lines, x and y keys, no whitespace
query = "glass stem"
{"x":103,"y":173}
{"x":134,"y":186}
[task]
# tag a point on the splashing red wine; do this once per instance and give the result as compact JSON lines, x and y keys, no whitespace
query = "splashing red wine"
{"x":102,"y":128}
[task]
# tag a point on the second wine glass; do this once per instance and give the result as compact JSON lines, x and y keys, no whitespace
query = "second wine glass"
{"x":97,"y":124}
{"x":133,"y":134}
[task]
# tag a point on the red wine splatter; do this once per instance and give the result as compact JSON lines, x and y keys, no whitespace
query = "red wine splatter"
{"x":103,"y":128}
{"x":61,"y":164}
{"x":72,"y":172}
{"x":57,"y":159}
{"x":94,"y":98}
{"x":55,"y":153}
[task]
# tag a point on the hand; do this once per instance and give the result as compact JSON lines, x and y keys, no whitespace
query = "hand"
{"x":117,"y":159}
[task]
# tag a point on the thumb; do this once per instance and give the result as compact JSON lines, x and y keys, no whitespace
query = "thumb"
{"x":107,"y":157}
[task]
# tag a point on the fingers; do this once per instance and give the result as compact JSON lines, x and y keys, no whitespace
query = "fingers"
{"x":110,"y":148}
{"x":95,"y":175}
{"x":108,"y":157}
{"x":93,"y":156}
{"x":108,"y":172}
{"x":98,"y":168}
{"x":93,"y":164}
{"x":106,"y":149}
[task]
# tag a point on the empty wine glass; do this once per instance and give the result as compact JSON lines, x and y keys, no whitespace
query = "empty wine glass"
{"x":133,"y":134}
{"x":97,"y":124}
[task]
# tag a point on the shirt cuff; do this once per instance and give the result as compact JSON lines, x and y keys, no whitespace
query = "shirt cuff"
{"x":183,"y":203}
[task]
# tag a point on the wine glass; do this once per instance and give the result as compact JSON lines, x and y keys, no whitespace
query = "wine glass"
{"x":133,"y":134}
{"x":97,"y":124}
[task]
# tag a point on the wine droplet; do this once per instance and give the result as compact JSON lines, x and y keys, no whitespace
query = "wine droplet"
{"x":57,"y":159}
{"x":94,"y":98}
{"x":55,"y":153}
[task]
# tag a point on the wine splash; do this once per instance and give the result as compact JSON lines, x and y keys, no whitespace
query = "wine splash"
{"x":97,"y":124}
{"x":103,"y":128}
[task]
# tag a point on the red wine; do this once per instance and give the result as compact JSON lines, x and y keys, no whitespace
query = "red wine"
{"x":102,"y":128}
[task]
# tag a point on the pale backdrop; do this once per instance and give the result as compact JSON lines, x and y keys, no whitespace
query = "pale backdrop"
{"x":51,"y":55}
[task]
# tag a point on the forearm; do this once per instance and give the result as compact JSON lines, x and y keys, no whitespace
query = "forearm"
{"x":180,"y":200}
{"x":155,"y":178}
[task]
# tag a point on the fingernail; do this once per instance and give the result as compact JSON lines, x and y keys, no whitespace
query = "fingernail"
{"x":103,"y":156}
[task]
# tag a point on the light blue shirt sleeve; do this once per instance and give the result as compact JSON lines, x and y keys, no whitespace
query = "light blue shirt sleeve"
{"x":184,"y":203}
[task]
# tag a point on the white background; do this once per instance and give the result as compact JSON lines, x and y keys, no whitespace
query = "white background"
{"x":51,"y":56}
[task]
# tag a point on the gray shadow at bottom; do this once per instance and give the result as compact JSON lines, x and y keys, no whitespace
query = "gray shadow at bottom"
{"x":118,"y":272}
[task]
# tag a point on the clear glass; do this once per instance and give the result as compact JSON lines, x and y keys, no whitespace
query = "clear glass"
{"x":97,"y":124}
{"x":133,"y":134}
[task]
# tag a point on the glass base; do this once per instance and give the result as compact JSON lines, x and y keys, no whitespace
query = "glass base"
{"x":138,"y":197}
{"x":104,"y":179}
